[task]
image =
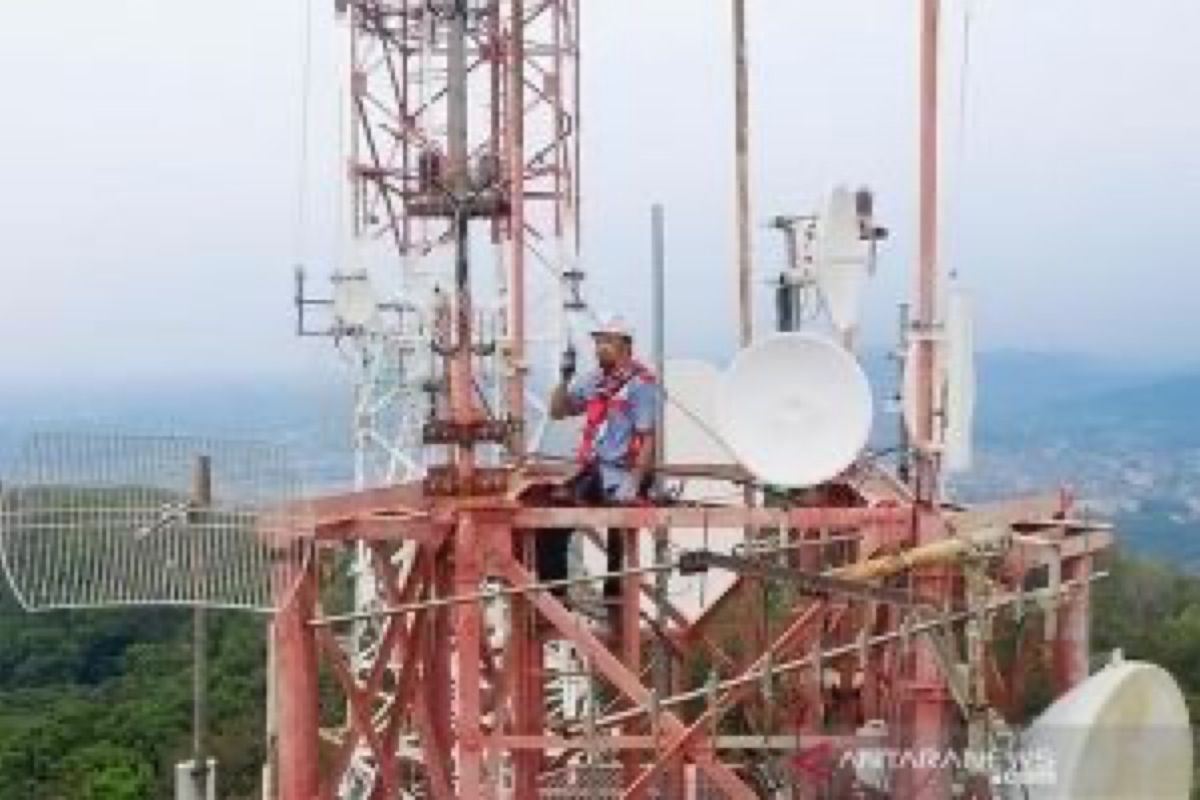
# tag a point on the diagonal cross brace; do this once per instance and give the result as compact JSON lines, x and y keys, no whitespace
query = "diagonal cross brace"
{"x":620,"y":676}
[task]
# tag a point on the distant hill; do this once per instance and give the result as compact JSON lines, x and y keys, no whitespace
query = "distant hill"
{"x":1027,"y":394}
{"x":1019,"y":391}
{"x":1158,"y":411}
{"x":311,"y":417}
{"x":1168,"y":410}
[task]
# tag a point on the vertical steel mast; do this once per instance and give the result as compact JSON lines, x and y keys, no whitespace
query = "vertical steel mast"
{"x":744,"y":272}
{"x":928,"y":700}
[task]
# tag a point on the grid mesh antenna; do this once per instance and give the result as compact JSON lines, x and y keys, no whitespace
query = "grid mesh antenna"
{"x":112,"y":520}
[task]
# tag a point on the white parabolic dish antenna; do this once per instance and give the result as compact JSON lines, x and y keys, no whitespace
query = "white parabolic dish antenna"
{"x":1124,"y":732}
{"x":691,"y":428}
{"x":795,"y":409}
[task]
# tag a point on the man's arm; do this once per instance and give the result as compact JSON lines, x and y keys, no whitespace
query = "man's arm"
{"x":644,"y":464}
{"x":563,"y":401}
{"x":561,"y":405}
{"x":569,"y":399}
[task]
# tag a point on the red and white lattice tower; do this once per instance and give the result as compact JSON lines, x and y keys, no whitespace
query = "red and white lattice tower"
{"x":397,"y":233}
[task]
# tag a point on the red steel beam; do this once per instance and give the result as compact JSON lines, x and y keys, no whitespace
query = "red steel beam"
{"x":396,"y":639}
{"x":1070,"y":656}
{"x":701,"y":724}
{"x":527,"y":700}
{"x":611,"y":667}
{"x":514,"y":156}
{"x":431,"y":525}
{"x":297,"y":692}
{"x":631,"y":635}
{"x":468,"y":635}
{"x":360,"y":705}
{"x":896,"y":517}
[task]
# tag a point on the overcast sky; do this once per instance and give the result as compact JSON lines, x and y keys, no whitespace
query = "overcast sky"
{"x":149,"y":163}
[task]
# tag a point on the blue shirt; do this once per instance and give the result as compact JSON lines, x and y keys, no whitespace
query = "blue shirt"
{"x":613,"y":437}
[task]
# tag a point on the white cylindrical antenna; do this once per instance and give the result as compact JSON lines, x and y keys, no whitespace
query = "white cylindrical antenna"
{"x":959,"y":367}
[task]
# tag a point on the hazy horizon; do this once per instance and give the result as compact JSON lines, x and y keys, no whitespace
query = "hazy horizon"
{"x":325,"y":369}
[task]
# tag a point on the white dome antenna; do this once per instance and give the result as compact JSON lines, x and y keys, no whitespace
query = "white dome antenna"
{"x":1123,"y":732}
{"x":355,"y":306}
{"x":959,"y":365}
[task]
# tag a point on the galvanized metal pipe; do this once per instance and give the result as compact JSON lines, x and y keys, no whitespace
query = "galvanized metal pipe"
{"x":202,"y":495}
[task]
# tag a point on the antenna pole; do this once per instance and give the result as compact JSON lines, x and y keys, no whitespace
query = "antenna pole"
{"x":460,"y":362}
{"x":927,"y":694}
{"x":515,"y":144}
{"x":662,"y":655}
{"x":926,"y":473}
{"x":904,"y":465}
{"x":742,"y":157}
{"x":202,"y":496}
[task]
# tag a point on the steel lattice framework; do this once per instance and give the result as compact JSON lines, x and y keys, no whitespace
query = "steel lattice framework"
{"x":464,"y":118}
{"x":473,"y":703}
{"x":522,"y":165}
{"x":522,"y":154}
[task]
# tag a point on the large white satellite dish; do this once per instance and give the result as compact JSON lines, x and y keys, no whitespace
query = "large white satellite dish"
{"x":354,"y":301}
{"x":1124,"y":732}
{"x":795,"y":408}
{"x":842,"y":260}
{"x":692,"y":432}
{"x":692,"y":436}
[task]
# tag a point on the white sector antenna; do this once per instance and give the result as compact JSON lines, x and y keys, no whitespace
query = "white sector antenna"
{"x":960,"y":382}
{"x":692,"y":436}
{"x":795,"y":408}
{"x":954,"y":385}
{"x":909,"y":391}
{"x":843,"y":258}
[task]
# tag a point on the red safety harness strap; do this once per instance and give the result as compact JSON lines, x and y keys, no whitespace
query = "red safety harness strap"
{"x":607,"y":399}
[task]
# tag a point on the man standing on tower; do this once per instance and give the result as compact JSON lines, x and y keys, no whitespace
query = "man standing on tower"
{"x":618,"y":403}
{"x":616,"y":449}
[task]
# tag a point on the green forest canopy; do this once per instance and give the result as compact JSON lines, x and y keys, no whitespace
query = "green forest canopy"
{"x":97,"y":705}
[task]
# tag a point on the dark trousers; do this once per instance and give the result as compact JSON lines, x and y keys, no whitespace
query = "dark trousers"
{"x":585,"y":488}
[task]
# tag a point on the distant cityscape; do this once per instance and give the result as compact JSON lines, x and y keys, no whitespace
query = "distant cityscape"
{"x":1130,"y":452}
{"x":1126,"y":441}
{"x":1152,"y":495}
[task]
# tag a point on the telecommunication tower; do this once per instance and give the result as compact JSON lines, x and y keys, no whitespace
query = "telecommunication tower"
{"x":461,"y":153}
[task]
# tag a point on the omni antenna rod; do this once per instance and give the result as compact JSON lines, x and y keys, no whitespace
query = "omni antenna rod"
{"x":925,"y":308}
{"x":745,"y":315}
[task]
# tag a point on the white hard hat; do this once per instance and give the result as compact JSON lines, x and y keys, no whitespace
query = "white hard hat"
{"x":613,"y":325}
